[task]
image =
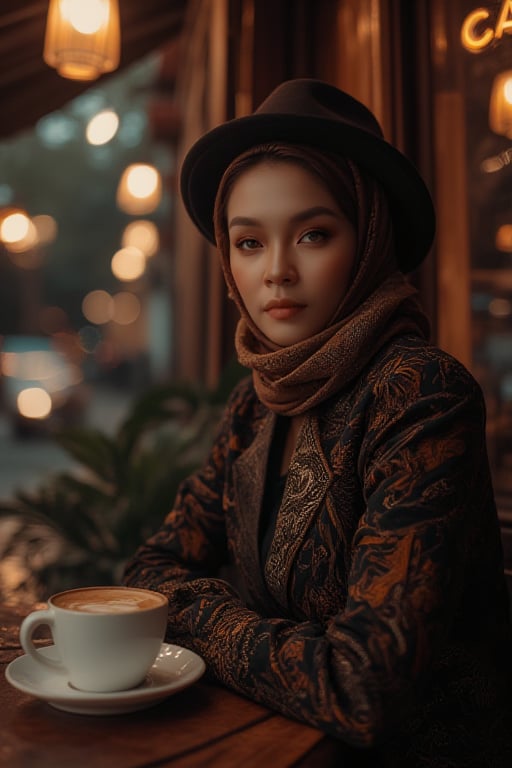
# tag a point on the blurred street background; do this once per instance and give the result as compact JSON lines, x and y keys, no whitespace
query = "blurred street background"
{"x":26,"y":462}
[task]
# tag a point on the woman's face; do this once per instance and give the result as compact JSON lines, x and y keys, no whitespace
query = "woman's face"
{"x":292,"y":250}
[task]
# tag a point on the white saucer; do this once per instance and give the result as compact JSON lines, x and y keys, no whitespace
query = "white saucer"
{"x":175,"y":668}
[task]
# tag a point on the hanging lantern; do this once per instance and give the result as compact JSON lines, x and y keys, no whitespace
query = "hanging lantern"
{"x":500,"y":107}
{"x":82,"y":39}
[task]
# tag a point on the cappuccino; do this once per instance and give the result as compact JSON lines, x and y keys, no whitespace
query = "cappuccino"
{"x":106,"y":638}
{"x":108,"y":600}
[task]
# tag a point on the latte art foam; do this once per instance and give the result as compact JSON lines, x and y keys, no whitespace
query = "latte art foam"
{"x":107,"y":601}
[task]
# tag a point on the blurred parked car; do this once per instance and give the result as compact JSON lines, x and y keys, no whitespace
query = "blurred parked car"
{"x":41,"y":385}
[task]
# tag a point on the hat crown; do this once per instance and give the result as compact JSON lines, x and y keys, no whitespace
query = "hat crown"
{"x":314,"y":98}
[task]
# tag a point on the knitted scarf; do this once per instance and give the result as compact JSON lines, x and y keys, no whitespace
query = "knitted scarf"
{"x":379,"y":304}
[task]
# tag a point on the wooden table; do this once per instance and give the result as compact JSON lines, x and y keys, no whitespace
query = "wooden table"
{"x":204,"y":725}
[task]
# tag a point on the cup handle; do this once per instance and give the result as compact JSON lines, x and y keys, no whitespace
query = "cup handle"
{"x":27,"y":629}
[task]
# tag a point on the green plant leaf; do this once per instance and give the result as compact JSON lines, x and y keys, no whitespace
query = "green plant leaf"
{"x":92,"y":448}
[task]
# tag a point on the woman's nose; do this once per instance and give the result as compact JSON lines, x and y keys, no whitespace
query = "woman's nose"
{"x":280,"y":267}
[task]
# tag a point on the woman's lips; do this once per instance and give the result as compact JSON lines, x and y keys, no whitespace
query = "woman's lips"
{"x":283,"y":309}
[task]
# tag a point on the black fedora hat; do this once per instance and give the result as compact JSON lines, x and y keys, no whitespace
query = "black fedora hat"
{"x":314,"y":113}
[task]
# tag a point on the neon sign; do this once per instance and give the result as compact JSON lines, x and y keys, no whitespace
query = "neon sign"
{"x":477,"y":32}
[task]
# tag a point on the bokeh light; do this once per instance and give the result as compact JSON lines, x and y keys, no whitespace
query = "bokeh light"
{"x":128,"y":263}
{"x":46,"y":228}
{"x":499,"y":307}
{"x":18,"y":232}
{"x":97,"y":307}
{"x":504,"y":238}
{"x":140,"y":189}
{"x":142,"y":234}
{"x":102,"y":127}
{"x":142,"y":180}
{"x":126,"y":308}
{"x":34,"y":403}
{"x":14,"y":227}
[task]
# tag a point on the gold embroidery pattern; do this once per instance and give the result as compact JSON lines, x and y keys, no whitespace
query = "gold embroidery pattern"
{"x":308,"y":479}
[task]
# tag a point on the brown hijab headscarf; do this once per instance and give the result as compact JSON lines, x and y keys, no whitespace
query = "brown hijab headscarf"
{"x":378,"y":305}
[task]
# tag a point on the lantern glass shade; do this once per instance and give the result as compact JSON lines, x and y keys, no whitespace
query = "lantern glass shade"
{"x":500,"y":107}
{"x":82,"y":39}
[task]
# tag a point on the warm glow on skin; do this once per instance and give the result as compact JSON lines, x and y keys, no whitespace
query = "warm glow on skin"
{"x":290,"y":243}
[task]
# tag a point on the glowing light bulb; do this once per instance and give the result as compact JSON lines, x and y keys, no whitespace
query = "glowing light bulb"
{"x":87,"y":18}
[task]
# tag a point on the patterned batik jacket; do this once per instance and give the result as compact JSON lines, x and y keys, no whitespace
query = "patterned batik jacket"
{"x":380,"y":614}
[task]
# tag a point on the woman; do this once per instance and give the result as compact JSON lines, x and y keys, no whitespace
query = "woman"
{"x":348,"y":484}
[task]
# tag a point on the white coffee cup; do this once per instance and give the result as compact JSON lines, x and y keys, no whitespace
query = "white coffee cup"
{"x":107,"y":638}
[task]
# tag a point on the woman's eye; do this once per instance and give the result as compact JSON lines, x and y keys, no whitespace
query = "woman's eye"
{"x":314,"y":236}
{"x":247,"y":244}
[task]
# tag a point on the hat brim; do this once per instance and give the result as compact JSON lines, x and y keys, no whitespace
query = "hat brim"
{"x":410,"y":202}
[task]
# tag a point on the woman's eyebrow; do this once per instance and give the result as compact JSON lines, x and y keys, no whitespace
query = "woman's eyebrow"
{"x":317,"y":210}
{"x":242,"y":221}
{"x":308,"y":213}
